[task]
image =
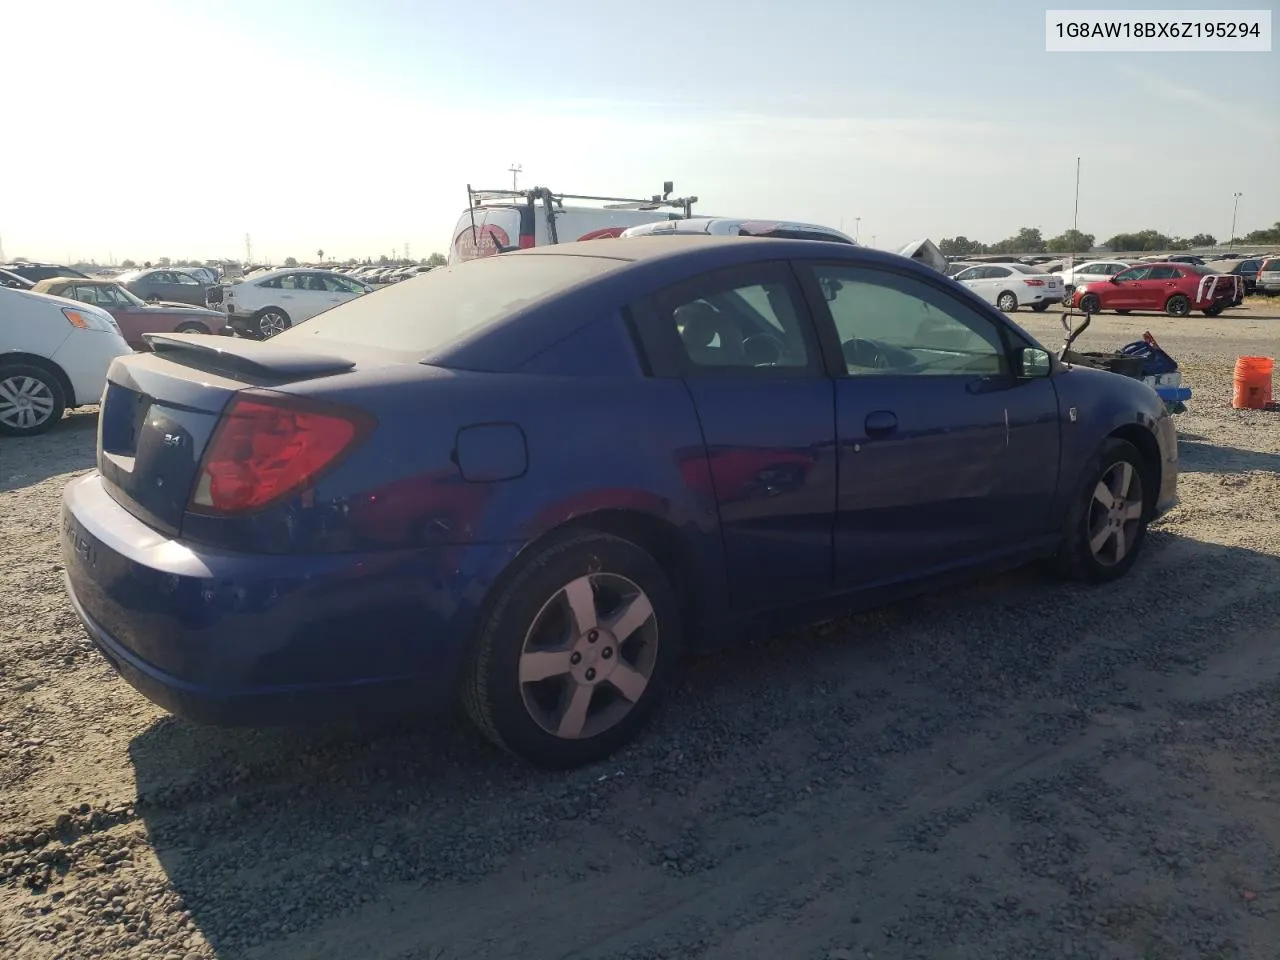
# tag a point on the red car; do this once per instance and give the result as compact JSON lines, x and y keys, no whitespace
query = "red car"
{"x":133,"y":316}
{"x":1175,"y":288}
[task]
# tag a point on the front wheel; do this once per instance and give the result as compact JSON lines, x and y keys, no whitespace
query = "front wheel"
{"x":1177,"y":306}
{"x":1090,"y":303}
{"x":31,"y":400}
{"x":1008,"y":302}
{"x":573,"y":652}
{"x":1107,"y":524}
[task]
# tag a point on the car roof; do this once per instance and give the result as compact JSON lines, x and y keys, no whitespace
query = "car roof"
{"x":644,"y":265}
{"x":78,"y":281}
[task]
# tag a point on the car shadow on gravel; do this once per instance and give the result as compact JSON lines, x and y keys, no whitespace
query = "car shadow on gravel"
{"x":1199,"y":456}
{"x":389,"y":841}
{"x":68,"y":447}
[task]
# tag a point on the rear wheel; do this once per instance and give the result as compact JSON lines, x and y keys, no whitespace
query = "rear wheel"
{"x":270,"y":322}
{"x":192,"y":327}
{"x":1040,"y":307}
{"x":1177,"y":306}
{"x":574,"y":651}
{"x":1090,"y":303}
{"x":1107,"y":524}
{"x":1214,"y":311}
{"x":1008,"y":302}
{"x":31,"y":400}
{"x":1124,"y":313}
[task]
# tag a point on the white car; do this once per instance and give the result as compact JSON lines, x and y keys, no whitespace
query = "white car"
{"x":1091,"y":272}
{"x":1013,"y":285}
{"x":264,"y":304}
{"x":54,"y":355}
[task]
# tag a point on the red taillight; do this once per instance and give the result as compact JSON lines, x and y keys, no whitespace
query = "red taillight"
{"x":526,"y":241}
{"x":265,"y":449}
{"x":1034,"y":283}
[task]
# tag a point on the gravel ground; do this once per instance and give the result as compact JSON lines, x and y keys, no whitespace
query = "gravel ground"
{"x":1017,"y":769}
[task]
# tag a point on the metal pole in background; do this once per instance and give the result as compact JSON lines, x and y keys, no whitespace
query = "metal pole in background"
{"x":1234,"y":210}
{"x":515,"y":170}
{"x":857,"y":223}
{"x":1075,"y":217}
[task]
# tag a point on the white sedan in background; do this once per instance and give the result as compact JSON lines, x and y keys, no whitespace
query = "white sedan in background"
{"x":54,"y":355}
{"x":1091,"y":271}
{"x":1013,"y":285}
{"x":265,"y":304}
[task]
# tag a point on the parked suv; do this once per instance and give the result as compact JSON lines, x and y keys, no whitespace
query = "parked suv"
{"x":1268,"y":281}
{"x":54,"y":355}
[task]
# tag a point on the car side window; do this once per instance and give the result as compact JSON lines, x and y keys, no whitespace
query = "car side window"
{"x":996,"y":273}
{"x":186,"y":279}
{"x":1164,"y":273}
{"x":271,"y":284}
{"x":291,"y":281}
{"x":740,"y":320}
{"x":1136,"y":273}
{"x":888,"y":323}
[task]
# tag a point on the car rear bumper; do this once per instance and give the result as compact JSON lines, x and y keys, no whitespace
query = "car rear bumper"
{"x":238,"y":639}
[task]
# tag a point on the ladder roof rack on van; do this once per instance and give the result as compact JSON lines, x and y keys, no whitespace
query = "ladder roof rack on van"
{"x":552,"y":198}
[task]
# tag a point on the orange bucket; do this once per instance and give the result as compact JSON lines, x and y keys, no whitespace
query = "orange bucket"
{"x":1252,"y":383}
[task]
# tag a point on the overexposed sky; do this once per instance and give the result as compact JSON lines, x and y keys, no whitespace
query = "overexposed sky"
{"x":174,"y":128}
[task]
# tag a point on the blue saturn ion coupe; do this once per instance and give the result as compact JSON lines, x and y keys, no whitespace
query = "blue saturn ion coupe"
{"x":528,"y":483}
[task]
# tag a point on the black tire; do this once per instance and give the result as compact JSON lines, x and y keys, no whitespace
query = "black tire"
{"x":191,"y":326}
{"x":1124,"y":313}
{"x":265,"y":320}
{"x":1090,"y":303}
{"x":1040,"y":307}
{"x":1076,"y":558}
{"x":37,"y":386}
{"x":1007,"y":302}
{"x":491,"y":690}
{"x":1214,"y":311}
{"x":1177,"y":306}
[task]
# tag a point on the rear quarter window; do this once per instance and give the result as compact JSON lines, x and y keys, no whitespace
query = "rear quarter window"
{"x":449,"y":303}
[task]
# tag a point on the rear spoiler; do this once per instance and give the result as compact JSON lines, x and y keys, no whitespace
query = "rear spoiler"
{"x":926,"y":252}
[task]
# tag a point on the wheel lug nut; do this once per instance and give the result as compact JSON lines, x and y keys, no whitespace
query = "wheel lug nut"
{"x":606,"y":653}
{"x":575,"y":658}
{"x":591,"y":674}
{"x":592,"y":636}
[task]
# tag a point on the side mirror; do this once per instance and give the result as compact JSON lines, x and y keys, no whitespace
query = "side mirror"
{"x":1032,"y":362}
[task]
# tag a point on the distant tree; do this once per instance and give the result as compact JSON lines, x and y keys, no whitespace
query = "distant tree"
{"x":960,"y":246}
{"x":382,"y":258}
{"x":1026,"y":240}
{"x":164,"y":262}
{"x":1269,"y":235}
{"x":1142,"y":240}
{"x":437,"y":260}
{"x":1070,"y":241}
{"x":290,"y":261}
{"x":128,"y":264}
{"x":1202,"y":240}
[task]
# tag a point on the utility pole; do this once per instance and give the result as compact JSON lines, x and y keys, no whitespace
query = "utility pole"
{"x":515,"y":170}
{"x":1075,"y":217}
{"x":1234,"y":210}
{"x":248,"y":250}
{"x":857,"y":223}
{"x":873,"y":241}
{"x":406,"y":251}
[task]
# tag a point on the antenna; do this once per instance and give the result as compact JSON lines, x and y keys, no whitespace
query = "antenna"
{"x":515,"y":170}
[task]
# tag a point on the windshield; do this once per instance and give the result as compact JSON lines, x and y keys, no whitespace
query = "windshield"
{"x":449,"y":303}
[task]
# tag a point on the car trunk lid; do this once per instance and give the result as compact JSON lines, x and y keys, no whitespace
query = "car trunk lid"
{"x":160,"y":409}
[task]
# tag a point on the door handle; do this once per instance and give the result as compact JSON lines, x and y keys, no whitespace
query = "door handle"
{"x":880,"y":422}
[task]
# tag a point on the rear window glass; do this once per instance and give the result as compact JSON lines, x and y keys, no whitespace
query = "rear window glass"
{"x":1269,"y":265}
{"x":449,"y":303}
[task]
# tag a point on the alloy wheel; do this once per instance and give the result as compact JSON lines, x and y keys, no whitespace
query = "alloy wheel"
{"x":588,"y":656}
{"x":25,"y":402}
{"x":272,"y":323}
{"x":1115,"y":513}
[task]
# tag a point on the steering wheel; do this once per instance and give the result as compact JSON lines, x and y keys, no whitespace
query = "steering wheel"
{"x":859,"y":352}
{"x":763,"y":349}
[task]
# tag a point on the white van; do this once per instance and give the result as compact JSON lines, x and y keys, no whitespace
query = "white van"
{"x":496,"y":221}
